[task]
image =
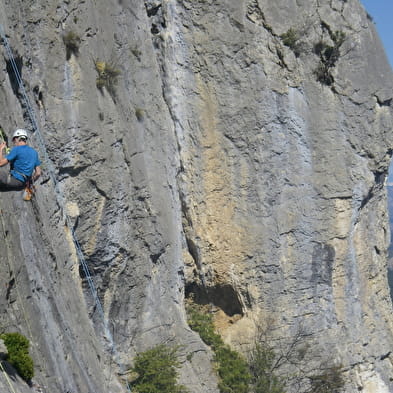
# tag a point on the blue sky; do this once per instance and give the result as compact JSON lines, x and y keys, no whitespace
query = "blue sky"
{"x":382,"y":13}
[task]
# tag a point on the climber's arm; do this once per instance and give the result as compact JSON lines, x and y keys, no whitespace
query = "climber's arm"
{"x":36,"y":174}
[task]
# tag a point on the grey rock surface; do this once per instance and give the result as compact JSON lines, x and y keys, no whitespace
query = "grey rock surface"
{"x":224,"y":164}
{"x":3,"y":350}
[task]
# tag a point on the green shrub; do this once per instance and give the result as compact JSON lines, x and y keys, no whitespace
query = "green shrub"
{"x":323,"y":74}
{"x":232,"y":368}
{"x":291,"y":40}
{"x":107,"y":76}
{"x":338,"y":37}
{"x":262,"y":364}
{"x":271,"y":368}
{"x":139,"y":113}
{"x":330,"y":381}
{"x":18,"y":354}
{"x":156,"y":371}
{"x":329,"y":56}
{"x":201,"y":322}
{"x":71,"y":41}
{"x":289,"y":364}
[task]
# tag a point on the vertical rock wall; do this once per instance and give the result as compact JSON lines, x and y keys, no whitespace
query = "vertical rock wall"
{"x":228,"y":163}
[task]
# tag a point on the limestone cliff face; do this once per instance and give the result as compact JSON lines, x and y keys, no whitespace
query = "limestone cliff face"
{"x":240,"y":159}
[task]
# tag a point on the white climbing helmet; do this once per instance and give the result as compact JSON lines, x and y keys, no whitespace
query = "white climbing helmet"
{"x":20,"y":133}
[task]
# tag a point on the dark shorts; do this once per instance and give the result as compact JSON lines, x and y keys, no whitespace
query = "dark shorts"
{"x":9,"y":183}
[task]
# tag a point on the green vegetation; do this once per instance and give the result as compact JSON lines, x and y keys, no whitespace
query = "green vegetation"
{"x":262,"y":363}
{"x":272,"y":367}
{"x":330,"y":381}
{"x":329,"y":56}
{"x":232,"y":368}
{"x":156,"y":371}
{"x":279,"y":366}
{"x":72,"y":42}
{"x":107,"y":76}
{"x":139,"y":113}
{"x":201,"y":322}
{"x":18,"y":354}
{"x":291,"y":40}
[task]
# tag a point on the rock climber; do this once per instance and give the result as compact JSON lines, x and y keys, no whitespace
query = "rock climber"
{"x":24,"y":163}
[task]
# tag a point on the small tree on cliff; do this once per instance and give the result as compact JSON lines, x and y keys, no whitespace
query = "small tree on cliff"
{"x":18,"y":354}
{"x":289,"y":364}
{"x":156,"y":371}
{"x":232,"y":368}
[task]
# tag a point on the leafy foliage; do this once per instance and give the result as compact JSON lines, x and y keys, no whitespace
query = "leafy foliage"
{"x":289,"y":363}
{"x":272,"y":367}
{"x":232,"y":368}
{"x":107,"y":76}
{"x":291,"y":40}
{"x":18,"y":354}
{"x":156,"y":371}
{"x":331,"y":381}
{"x":329,"y":56}
{"x":202,"y":322}
{"x":72,"y":42}
{"x":139,"y":113}
{"x":262,"y":364}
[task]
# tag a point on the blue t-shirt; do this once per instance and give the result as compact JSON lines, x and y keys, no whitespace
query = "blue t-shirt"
{"x":23,"y":160}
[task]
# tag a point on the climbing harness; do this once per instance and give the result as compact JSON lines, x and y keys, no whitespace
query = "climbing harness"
{"x":29,"y":189}
{"x":59,"y":196}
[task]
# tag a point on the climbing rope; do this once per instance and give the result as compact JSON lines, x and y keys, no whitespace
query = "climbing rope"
{"x":30,"y":111}
{"x":59,"y":195}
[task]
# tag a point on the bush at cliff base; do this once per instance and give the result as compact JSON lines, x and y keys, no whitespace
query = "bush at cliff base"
{"x":18,"y":354}
{"x":157,"y":371}
{"x":231,"y":367}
